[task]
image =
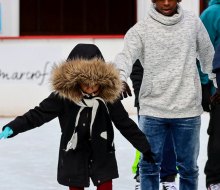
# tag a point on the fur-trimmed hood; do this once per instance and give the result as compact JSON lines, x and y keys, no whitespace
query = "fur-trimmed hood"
{"x":66,"y":77}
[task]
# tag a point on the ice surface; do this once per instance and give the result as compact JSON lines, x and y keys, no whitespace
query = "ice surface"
{"x":29,"y":160}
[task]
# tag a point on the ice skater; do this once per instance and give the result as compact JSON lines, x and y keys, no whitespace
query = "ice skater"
{"x":85,"y":100}
{"x":167,"y":43}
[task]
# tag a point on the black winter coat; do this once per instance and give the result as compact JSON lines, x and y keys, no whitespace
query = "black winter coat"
{"x":93,"y":157}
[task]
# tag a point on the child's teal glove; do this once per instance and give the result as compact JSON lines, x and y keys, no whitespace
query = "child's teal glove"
{"x":6,"y":133}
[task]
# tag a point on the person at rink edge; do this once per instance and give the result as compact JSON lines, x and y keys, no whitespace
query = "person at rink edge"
{"x":168,"y":171}
{"x":211,"y":20}
{"x":212,"y":167}
{"x":85,"y":100}
{"x":167,"y":43}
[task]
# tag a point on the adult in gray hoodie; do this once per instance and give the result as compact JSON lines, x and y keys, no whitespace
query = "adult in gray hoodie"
{"x":167,"y":42}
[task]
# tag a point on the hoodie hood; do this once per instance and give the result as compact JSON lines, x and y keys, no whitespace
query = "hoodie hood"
{"x":85,"y":51}
{"x":66,"y":77}
{"x":212,"y":2}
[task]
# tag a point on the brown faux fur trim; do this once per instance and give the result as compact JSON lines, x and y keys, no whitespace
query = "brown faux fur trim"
{"x":66,"y":77}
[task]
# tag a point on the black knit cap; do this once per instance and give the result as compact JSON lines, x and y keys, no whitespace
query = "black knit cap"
{"x":85,"y":51}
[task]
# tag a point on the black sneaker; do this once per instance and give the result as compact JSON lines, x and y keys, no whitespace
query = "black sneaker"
{"x":169,"y":186}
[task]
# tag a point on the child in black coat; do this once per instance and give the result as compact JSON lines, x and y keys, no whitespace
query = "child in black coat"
{"x":85,"y":100}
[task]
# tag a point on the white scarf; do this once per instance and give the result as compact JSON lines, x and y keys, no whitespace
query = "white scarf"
{"x":94,"y":104}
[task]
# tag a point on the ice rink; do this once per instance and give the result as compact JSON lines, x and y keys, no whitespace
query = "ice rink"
{"x":29,"y":160}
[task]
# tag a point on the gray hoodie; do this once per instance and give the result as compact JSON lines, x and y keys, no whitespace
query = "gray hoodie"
{"x":168,"y":48}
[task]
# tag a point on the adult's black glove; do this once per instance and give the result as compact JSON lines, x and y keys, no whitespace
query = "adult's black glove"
{"x":215,"y":99}
{"x":206,"y":96}
{"x":126,"y":91}
{"x":148,"y":156}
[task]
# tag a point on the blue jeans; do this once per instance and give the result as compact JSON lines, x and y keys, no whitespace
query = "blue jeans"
{"x":185,"y":133}
{"x":168,"y":165}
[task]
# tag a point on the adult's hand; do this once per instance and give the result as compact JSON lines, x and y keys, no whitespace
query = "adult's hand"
{"x":149,"y":156}
{"x":215,"y":99}
{"x":206,"y":96}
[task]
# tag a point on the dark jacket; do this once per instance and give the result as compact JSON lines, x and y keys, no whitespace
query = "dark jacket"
{"x":216,"y":61}
{"x":136,"y":77}
{"x":94,"y":155}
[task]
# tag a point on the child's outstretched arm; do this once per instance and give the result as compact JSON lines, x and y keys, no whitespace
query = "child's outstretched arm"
{"x":6,"y":133}
{"x":47,"y":110}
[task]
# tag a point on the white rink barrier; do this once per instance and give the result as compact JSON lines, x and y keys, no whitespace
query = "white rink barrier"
{"x":25,"y":66}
